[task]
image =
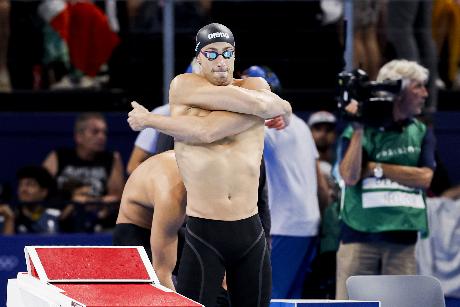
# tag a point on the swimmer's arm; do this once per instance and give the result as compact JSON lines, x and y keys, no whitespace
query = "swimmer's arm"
{"x":168,"y":217}
{"x":256,"y":99}
{"x":193,"y":129}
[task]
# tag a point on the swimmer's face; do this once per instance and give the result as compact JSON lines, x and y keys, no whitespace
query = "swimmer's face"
{"x":217,"y":62}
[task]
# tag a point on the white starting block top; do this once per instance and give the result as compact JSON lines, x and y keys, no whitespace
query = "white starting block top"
{"x":77,"y":276}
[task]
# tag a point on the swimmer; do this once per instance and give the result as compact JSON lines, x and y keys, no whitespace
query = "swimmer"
{"x":221,"y":175}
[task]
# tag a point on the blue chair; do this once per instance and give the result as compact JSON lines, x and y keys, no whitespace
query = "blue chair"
{"x":397,"y":290}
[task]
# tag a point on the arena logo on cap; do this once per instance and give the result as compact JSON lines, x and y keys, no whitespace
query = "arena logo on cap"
{"x":218,"y":34}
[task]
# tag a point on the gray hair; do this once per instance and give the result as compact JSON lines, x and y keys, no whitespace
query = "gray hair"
{"x":82,"y":118}
{"x":403,"y":69}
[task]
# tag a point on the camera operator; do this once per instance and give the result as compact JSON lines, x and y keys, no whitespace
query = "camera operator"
{"x":386,"y":170}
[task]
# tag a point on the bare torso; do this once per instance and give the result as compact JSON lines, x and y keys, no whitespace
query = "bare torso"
{"x":155,"y":180}
{"x":221,"y":178}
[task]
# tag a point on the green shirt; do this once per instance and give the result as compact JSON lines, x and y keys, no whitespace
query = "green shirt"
{"x":377,"y":205}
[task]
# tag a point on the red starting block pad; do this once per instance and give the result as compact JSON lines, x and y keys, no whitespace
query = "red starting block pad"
{"x":77,"y":276}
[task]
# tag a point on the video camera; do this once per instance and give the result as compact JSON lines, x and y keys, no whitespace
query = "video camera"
{"x":375,"y":108}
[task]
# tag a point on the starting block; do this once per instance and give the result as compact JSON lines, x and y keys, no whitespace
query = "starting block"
{"x":81,"y":276}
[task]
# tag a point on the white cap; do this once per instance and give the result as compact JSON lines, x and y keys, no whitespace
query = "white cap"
{"x":322,"y":117}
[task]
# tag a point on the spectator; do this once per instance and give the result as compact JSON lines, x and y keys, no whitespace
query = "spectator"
{"x":292,"y":173}
{"x":292,"y":169}
{"x":35,"y":188}
{"x":322,"y":125}
{"x":89,"y":36}
{"x":410,"y":34}
{"x":446,"y":34}
{"x":366,"y":53}
{"x":266,"y":73}
{"x":89,"y":162}
{"x":386,"y":170}
{"x":321,"y":284}
{"x":83,"y":211}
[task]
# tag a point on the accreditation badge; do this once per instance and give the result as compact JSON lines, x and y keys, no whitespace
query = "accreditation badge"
{"x":387,"y":193}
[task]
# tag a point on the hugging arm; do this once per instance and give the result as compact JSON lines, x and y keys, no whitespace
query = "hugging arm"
{"x":192,"y":129}
{"x":255,"y":98}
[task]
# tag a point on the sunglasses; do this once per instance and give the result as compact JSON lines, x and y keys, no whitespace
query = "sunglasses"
{"x":212,"y":55}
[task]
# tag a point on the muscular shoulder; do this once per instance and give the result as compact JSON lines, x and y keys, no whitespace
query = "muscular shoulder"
{"x":187,"y":80}
{"x":156,"y":164}
{"x":149,"y":171}
{"x":255,"y":83}
{"x":181,"y":86}
{"x":181,"y":78}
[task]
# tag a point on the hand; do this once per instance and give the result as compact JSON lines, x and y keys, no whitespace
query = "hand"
{"x":277,"y":123}
{"x":368,"y":169}
{"x":287,"y":119}
{"x":352,"y":107}
{"x":6,"y":211}
{"x":80,"y":199}
{"x":137,"y":117}
{"x":288,"y":114}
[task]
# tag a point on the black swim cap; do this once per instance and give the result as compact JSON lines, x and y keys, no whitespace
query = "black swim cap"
{"x":212,"y":33}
